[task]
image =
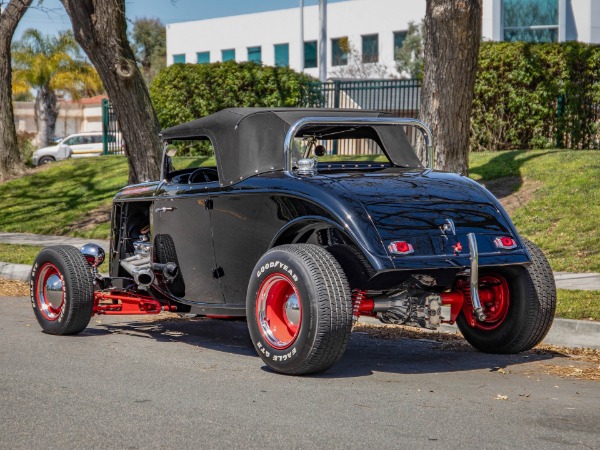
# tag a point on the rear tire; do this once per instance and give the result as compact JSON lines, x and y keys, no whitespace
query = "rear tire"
{"x":532,"y":294}
{"x":62,"y":290}
{"x":299,"y":309}
{"x":45,"y":160}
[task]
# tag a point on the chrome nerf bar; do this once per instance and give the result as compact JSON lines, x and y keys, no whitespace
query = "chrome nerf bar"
{"x":477,"y":310}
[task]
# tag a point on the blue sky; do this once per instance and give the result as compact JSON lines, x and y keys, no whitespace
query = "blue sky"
{"x":53,"y":17}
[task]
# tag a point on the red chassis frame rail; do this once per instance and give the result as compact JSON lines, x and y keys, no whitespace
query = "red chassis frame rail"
{"x":121,"y":304}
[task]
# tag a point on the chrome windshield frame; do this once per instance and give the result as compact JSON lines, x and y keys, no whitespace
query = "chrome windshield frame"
{"x":387,"y":121}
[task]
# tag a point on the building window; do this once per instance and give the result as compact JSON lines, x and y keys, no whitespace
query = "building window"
{"x":370,"y":48}
{"x":203,"y":57}
{"x":228,"y":55}
{"x":255,"y":54}
{"x":399,"y":38}
{"x":310,"y":55}
{"x":282,"y":55}
{"x":339,"y":51}
{"x":530,"y":20}
{"x":179,"y":59}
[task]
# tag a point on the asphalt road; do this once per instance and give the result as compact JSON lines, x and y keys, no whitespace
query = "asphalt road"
{"x":129,"y":383}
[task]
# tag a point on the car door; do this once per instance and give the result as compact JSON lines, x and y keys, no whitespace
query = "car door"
{"x":181,"y":219}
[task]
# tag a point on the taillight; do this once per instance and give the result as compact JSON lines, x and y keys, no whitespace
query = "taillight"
{"x":401,"y":248}
{"x":505,"y":242}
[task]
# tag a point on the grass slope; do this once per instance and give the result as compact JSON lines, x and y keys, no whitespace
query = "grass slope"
{"x":562,"y":217}
{"x":54,"y":197}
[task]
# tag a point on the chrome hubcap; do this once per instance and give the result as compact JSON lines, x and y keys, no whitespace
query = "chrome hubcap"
{"x":292,"y":309}
{"x":50,"y":291}
{"x":278,"y":311}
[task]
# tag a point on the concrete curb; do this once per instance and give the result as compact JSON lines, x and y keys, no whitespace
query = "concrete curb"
{"x":563,"y":333}
{"x":18,"y":272}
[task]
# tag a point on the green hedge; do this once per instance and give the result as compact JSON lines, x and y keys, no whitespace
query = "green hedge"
{"x":536,"y":96}
{"x":183,"y":92}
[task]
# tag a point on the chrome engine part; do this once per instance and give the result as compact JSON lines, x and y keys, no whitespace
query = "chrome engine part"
{"x":141,"y":267}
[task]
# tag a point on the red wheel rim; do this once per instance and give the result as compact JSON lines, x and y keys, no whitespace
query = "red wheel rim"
{"x":496,"y":308}
{"x":278,"y":310}
{"x":50,"y":291}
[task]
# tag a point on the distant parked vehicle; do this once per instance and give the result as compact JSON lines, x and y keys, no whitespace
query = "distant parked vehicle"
{"x":74,"y":146}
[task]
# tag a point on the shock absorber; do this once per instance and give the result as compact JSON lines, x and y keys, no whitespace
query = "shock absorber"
{"x":361,"y":305}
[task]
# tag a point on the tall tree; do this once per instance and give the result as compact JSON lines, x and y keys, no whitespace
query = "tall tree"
{"x":149,"y":41}
{"x":409,"y":57}
{"x":101,"y":30}
{"x":452,"y":34}
{"x":10,"y":160}
{"x":354,"y":66}
{"x":52,"y":65}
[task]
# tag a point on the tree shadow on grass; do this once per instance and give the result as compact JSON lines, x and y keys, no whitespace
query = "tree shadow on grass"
{"x":502,"y":174}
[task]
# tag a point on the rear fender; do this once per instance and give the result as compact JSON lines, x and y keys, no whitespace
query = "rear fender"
{"x":354,"y":258}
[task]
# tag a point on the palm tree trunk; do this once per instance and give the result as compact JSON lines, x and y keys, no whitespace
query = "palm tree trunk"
{"x":101,"y":30}
{"x":10,"y":159}
{"x":450,"y":47}
{"x":46,"y":113}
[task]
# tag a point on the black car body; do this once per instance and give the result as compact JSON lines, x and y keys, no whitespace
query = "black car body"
{"x":389,"y":239}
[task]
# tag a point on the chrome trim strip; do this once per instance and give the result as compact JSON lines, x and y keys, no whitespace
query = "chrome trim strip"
{"x":291,"y":134}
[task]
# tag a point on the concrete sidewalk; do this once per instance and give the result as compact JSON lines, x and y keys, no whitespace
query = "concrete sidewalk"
{"x":45,"y":241}
{"x":564,"y":280}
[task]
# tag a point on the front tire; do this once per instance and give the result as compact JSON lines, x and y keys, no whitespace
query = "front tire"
{"x":62,"y":290}
{"x":523,"y":310}
{"x":45,"y":160}
{"x":299,"y":309}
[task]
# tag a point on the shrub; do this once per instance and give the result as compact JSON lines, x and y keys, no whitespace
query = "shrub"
{"x":536,"y":96}
{"x":26,"y":147}
{"x":183,"y":92}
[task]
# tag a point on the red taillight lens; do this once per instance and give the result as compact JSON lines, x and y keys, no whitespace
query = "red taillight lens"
{"x":401,"y":248}
{"x":505,"y":242}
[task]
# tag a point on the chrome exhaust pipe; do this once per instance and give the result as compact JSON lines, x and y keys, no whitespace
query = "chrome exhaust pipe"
{"x":477,"y":310}
{"x":169,"y":270}
{"x":140,"y":268}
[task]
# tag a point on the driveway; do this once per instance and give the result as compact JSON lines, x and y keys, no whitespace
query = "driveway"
{"x":154,"y":383}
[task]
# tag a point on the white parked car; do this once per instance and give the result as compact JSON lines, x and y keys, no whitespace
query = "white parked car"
{"x":73,"y":146}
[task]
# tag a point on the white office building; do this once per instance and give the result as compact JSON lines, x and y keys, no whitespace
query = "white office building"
{"x":365,"y":32}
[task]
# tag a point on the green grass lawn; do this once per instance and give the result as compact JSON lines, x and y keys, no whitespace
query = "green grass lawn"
{"x":570,"y":305}
{"x":18,"y":254}
{"x":582,"y":305}
{"x":562,"y":217}
{"x":60,"y":194}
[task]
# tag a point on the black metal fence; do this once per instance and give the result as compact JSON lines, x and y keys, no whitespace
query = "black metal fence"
{"x":401,"y":97}
{"x":112,"y":140}
{"x":575,"y":123}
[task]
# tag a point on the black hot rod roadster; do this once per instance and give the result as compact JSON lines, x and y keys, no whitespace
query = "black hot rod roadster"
{"x":299,"y":233}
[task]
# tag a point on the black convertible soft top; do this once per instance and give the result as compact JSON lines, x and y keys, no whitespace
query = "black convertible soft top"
{"x":248,"y":141}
